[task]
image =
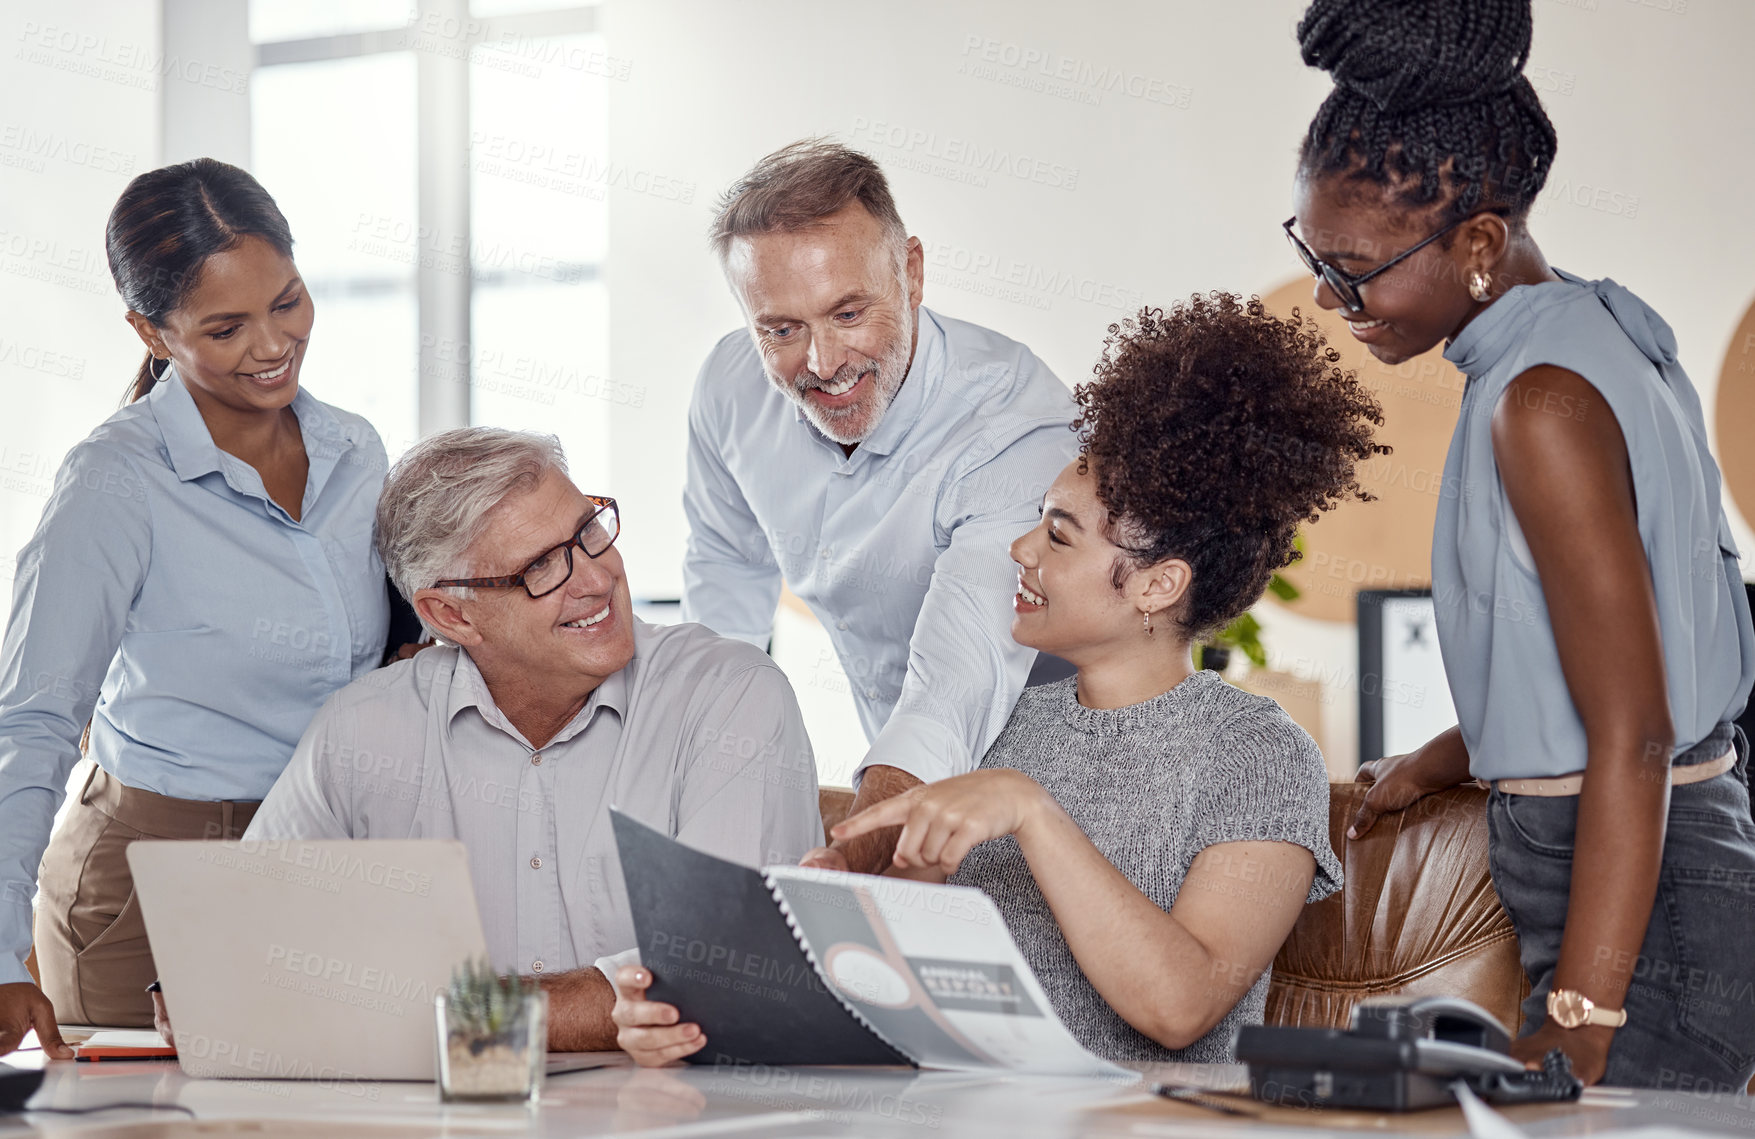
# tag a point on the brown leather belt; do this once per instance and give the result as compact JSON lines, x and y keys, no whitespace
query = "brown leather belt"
{"x":1561,"y":785}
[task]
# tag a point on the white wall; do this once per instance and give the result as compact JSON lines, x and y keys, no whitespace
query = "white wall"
{"x":80,"y":86}
{"x":1179,"y":187}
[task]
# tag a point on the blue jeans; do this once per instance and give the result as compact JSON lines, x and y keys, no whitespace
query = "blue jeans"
{"x":1691,"y":1004}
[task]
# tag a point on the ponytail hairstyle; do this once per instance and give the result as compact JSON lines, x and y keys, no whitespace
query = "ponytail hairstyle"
{"x":165,"y":226}
{"x":1430,"y":103}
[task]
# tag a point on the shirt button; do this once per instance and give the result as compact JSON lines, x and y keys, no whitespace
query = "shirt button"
{"x":536,"y":759}
{"x":536,"y":864}
{"x":536,"y":966}
{"x":871,"y":693}
{"x":840,"y":624}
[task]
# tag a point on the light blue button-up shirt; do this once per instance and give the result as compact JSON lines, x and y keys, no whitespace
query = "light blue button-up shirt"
{"x":900,"y":549}
{"x":169,"y":600}
{"x":1513,"y":702}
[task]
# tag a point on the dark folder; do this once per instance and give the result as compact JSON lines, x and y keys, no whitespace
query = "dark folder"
{"x":721,"y":951}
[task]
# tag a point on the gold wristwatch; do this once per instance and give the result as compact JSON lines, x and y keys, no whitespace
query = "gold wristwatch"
{"x":1570,"y":1008}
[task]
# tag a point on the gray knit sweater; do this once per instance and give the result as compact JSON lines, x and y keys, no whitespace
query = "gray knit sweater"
{"x":1153,"y":785}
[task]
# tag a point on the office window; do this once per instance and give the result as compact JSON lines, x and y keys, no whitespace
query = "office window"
{"x":516,"y":7}
{"x":538,"y":227}
{"x":444,"y":170}
{"x":273,"y":20}
{"x":334,"y":142}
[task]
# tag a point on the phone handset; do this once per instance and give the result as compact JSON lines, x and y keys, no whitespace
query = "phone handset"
{"x":1449,"y":1021}
{"x":1399,"y":1053}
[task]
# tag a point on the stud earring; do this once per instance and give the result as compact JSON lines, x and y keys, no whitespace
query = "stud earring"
{"x":1480,"y":286}
{"x":1148,"y":616}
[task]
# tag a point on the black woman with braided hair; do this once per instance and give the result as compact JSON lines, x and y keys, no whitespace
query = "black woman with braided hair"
{"x":1590,"y":611}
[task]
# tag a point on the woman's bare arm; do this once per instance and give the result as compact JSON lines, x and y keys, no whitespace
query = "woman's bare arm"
{"x":1564,"y":463}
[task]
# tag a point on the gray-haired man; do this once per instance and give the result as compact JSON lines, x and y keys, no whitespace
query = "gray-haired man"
{"x":876,"y":455}
{"x":549,"y":702}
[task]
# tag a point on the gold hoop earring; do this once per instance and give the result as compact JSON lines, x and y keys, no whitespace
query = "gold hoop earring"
{"x":1148,"y":615}
{"x":1480,"y":286}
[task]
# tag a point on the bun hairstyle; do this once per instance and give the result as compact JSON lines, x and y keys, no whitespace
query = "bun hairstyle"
{"x":165,"y":226}
{"x":1430,"y":102}
{"x":1215,"y":429}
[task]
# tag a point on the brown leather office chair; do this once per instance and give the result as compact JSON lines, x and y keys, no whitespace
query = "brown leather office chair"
{"x":834,"y":802}
{"x":1417,"y":914}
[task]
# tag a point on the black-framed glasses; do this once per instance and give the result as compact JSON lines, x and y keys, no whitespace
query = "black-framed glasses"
{"x":552,"y":568}
{"x":1345,"y":285}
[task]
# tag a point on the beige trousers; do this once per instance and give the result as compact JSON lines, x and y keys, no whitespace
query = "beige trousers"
{"x":90,"y":936}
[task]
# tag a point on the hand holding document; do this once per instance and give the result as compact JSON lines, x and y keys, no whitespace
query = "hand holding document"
{"x":802,"y":966}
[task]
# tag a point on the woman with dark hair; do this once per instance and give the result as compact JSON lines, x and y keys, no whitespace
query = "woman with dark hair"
{"x":1590,"y":611}
{"x":203,"y":577}
{"x":1149,"y":832}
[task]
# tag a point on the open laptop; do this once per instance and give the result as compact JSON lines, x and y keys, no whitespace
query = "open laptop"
{"x":306,"y":960}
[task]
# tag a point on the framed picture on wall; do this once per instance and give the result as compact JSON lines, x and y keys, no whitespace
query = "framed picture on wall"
{"x":1404,"y":699}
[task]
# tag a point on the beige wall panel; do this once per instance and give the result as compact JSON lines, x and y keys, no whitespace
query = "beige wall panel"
{"x":1385,"y":544}
{"x":1735,"y":418}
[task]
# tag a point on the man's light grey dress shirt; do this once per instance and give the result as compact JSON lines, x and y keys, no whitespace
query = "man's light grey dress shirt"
{"x":699,"y":736}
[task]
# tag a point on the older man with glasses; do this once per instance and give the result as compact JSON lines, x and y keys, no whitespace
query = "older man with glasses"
{"x":547,"y":702}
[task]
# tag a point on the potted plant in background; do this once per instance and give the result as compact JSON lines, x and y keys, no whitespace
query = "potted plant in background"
{"x":1243,"y":634}
{"x":492,"y":1036}
{"x":1305,"y":698}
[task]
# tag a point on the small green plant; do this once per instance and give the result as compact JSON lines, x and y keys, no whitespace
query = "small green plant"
{"x":482,"y":1004}
{"x":1244,"y":632}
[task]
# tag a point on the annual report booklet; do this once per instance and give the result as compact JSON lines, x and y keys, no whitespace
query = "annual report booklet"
{"x":795,"y":966}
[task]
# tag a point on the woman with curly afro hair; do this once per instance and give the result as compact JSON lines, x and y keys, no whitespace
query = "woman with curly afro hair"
{"x":1150,"y":832}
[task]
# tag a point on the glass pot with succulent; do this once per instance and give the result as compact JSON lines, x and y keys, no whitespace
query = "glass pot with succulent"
{"x":492,"y":1036}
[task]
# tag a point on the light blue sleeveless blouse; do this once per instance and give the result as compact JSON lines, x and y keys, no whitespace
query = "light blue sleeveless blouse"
{"x":1512,"y":703}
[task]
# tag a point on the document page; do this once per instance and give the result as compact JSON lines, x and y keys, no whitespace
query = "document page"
{"x":933,"y":970}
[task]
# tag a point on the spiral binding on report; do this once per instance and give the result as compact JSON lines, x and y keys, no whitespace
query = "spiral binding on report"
{"x":823,"y":972}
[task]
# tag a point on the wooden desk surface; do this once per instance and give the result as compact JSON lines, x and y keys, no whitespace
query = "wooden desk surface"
{"x":793,"y":1103}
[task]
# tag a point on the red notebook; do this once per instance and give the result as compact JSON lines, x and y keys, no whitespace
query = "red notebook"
{"x":123,"y":1044}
